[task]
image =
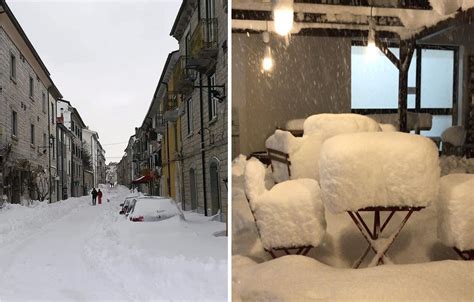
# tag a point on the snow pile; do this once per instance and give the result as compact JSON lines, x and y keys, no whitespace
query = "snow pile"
{"x":446,"y":7}
{"x":456,"y":211}
{"x":455,"y":135}
{"x":299,"y":278}
{"x":296,"y":124}
{"x":333,"y":124}
{"x":388,"y":128}
{"x":72,"y":251}
{"x":378,"y":169}
{"x":455,"y":164}
{"x":291,"y":214}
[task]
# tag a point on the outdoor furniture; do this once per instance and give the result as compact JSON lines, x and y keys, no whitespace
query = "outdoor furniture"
{"x":378,"y":172}
{"x":298,"y":157}
{"x":456,"y":213}
{"x":289,"y":217}
{"x":453,"y":139}
{"x":415,"y":121}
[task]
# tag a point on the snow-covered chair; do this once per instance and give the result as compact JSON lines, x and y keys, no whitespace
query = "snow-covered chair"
{"x":456,"y":213}
{"x":289,"y":216}
{"x":453,"y":139}
{"x":298,"y":157}
{"x":375,"y":172}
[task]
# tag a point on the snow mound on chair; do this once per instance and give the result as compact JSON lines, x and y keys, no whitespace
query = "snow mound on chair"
{"x":291,"y":214}
{"x":456,"y":211}
{"x":360,"y":170}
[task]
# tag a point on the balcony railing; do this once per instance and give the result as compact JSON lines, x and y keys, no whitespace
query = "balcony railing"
{"x":204,"y":42}
{"x":182,"y":77}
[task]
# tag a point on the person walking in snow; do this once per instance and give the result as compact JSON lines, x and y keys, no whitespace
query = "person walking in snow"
{"x":100,"y":196}
{"x":94,"y":196}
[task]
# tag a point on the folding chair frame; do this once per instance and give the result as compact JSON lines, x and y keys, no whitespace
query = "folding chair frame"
{"x":370,"y":236}
{"x":279,"y":156}
{"x":466,"y":255}
{"x":302,"y":250}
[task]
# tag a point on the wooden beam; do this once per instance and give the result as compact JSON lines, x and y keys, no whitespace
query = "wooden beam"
{"x":386,"y":51}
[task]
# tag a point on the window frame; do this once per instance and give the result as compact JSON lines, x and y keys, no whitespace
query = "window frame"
{"x":453,"y":111}
{"x":189,"y":116}
{"x":14,"y":123}
{"x":32,"y":134}
{"x":212,"y":101}
{"x":32,"y":88}
{"x":13,"y":67}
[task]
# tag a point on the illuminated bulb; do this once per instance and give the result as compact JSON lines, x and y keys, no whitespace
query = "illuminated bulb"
{"x":267,"y":63}
{"x":371,"y":47}
{"x":283,"y":16}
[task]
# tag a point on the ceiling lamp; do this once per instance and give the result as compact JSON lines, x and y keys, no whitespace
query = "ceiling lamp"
{"x":267,"y":62}
{"x":283,"y":16}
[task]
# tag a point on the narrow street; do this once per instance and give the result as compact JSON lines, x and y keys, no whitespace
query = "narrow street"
{"x":74,"y":251}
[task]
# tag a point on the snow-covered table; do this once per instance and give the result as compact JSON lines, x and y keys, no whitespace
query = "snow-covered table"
{"x":378,"y":172}
{"x":456,"y":213}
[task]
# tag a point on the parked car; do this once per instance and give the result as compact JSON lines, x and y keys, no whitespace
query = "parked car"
{"x":153,"y":208}
{"x":126,"y":204}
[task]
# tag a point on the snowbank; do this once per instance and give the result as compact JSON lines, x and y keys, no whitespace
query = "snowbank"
{"x":333,"y":124}
{"x":415,"y":120}
{"x":378,"y":169}
{"x":299,"y":278}
{"x":290,"y":214}
{"x":456,"y":211}
{"x":455,"y":164}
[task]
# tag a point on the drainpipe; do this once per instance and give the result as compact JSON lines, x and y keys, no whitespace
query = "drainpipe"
{"x":168,"y":181}
{"x":49,"y":149}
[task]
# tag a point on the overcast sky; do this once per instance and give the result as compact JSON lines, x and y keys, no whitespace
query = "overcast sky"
{"x":105,"y":57}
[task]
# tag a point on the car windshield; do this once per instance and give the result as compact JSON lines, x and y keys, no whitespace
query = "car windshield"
{"x":154,"y":208}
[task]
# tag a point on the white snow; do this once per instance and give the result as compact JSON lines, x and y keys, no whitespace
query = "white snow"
{"x":304,"y":152}
{"x":455,"y":135}
{"x":456,"y":211}
{"x":455,"y":164}
{"x":333,"y":124}
{"x":295,"y":124}
{"x":388,"y":128}
{"x":299,"y":278}
{"x":153,"y":208}
{"x":71,"y":250}
{"x":290,"y":214}
{"x":378,"y":169}
{"x":446,"y":7}
{"x":423,"y":265}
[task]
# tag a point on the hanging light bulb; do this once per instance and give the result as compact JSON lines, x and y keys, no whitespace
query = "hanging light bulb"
{"x":371,"y":37}
{"x":283,"y":16}
{"x":267,"y":62}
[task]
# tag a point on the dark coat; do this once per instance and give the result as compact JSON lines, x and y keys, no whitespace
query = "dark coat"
{"x":94,"y":193}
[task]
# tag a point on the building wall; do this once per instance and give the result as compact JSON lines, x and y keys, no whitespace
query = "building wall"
{"x":215,"y":131}
{"x":311,"y":75}
{"x":15,"y":96}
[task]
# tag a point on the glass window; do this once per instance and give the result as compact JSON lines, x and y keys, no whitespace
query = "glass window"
{"x":43,"y":102}
{"x":437,"y":70}
{"x":212,"y":99}
{"x":32,"y":134}
{"x":12,"y":66}
{"x":14,"y":123}
{"x":32,"y":83}
{"x":189,"y":115}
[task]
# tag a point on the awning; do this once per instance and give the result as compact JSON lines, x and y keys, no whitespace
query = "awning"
{"x":143,"y":179}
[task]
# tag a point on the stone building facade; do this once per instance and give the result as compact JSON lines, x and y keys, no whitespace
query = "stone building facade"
{"x":27,"y":137}
{"x":201,"y":77}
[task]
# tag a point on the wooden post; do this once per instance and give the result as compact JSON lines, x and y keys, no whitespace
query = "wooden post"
{"x":407,"y":48}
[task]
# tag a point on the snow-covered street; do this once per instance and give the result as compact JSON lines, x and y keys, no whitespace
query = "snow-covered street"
{"x":71,"y":250}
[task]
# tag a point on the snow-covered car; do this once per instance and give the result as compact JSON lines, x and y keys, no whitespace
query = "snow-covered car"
{"x":153,"y":208}
{"x":126,"y":205}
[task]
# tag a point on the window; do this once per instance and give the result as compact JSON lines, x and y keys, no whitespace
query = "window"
{"x":14,"y":123}
{"x":32,"y":134}
{"x":12,"y":66}
{"x":43,"y":102}
{"x":374,"y":84}
{"x":212,"y":100}
{"x":53,"y":113}
{"x":45,"y":140}
{"x":31,"y":87}
{"x":189,"y":115}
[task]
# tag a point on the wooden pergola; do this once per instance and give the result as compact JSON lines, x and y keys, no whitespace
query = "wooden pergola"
{"x":402,"y":26}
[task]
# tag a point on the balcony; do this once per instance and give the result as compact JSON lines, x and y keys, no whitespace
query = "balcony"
{"x":171,"y":106}
{"x":204,"y":45}
{"x":182,"y":77}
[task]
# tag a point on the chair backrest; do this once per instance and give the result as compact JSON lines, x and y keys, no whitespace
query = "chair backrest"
{"x":281,"y":157}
